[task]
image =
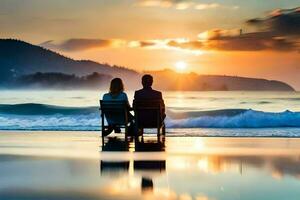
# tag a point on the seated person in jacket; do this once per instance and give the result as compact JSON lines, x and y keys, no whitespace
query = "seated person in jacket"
{"x":147,"y":93}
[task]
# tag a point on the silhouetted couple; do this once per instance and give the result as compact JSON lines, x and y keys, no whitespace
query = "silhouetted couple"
{"x":116,"y":93}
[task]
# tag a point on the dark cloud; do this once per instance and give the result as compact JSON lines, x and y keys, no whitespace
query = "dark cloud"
{"x":279,"y":31}
{"x":77,"y":44}
{"x":256,"y":41}
{"x":282,"y":22}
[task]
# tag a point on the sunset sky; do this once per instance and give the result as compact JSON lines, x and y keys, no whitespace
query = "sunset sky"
{"x":231,"y":37}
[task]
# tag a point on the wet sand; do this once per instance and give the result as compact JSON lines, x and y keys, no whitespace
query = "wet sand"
{"x":78,"y":165}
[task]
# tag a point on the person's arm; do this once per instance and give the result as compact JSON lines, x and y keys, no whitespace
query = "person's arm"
{"x":134,"y":98}
{"x":126,"y":99}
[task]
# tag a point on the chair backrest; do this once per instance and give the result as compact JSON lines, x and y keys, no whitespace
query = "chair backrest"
{"x":148,"y":113}
{"x":115,"y":112}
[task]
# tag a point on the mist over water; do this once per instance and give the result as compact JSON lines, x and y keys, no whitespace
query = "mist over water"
{"x":79,"y":110}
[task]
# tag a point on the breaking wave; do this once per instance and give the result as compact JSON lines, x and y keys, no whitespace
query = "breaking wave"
{"x":48,"y":117}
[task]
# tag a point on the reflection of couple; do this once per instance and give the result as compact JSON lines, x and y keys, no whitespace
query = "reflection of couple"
{"x":148,"y":167}
{"x":116,"y":93}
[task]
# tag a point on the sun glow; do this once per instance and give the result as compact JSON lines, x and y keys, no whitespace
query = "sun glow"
{"x":180,"y":66}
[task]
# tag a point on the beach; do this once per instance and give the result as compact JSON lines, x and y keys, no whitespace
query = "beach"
{"x":77,"y":165}
{"x":149,"y":100}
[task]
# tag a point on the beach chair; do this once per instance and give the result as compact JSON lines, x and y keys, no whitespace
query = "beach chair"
{"x":115,"y":113}
{"x":148,"y":114}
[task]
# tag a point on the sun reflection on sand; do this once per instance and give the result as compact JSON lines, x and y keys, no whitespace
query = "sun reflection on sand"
{"x":199,"y":145}
{"x":203,"y":164}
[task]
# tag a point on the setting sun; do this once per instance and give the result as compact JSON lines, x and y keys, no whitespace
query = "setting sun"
{"x":180,"y":66}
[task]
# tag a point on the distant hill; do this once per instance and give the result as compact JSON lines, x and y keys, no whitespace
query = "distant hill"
{"x":195,"y":82}
{"x":26,"y":65}
{"x":19,"y":58}
{"x":54,"y":80}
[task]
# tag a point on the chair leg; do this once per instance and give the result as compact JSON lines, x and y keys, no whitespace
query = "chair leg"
{"x":102,"y":138}
{"x":136,"y":130}
{"x":164,"y":129}
{"x":158,"y":138}
{"x":163,"y":139}
{"x":142,"y":138}
{"x":126,"y":131}
{"x":102,"y":131}
{"x":102,"y":124}
{"x":142,"y":132}
{"x":158,"y":131}
{"x":126,"y":138}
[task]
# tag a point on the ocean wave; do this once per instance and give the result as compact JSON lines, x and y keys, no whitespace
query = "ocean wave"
{"x":88,"y":122}
{"x":245,"y":119}
{"x":48,"y":117}
{"x":180,"y":114}
{"x":44,"y":109}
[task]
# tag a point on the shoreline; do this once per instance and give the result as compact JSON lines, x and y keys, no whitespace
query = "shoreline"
{"x":90,"y":145}
{"x":169,"y":135}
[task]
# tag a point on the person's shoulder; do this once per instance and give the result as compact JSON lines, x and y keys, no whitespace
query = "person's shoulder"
{"x":105,"y":96}
{"x":108,"y":97}
{"x":138,"y":91}
{"x":123,"y":95}
{"x":157,"y":92}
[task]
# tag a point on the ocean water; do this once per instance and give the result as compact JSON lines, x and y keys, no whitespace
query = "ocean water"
{"x":188,"y":113}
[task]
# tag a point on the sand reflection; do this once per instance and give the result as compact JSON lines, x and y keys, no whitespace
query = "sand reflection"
{"x":78,"y":166}
{"x":205,"y":168}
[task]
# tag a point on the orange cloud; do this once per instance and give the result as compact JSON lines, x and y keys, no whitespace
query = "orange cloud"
{"x":256,"y":41}
{"x":279,"y":31}
{"x":181,"y":4}
{"x":77,"y":44}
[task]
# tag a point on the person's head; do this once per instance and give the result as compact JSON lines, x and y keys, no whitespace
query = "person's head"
{"x":116,"y":86}
{"x":147,"y":81}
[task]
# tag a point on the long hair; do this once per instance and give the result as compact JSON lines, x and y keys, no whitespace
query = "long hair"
{"x":116,"y":86}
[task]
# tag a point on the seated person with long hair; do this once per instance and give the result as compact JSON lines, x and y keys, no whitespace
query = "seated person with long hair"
{"x":116,"y":93}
